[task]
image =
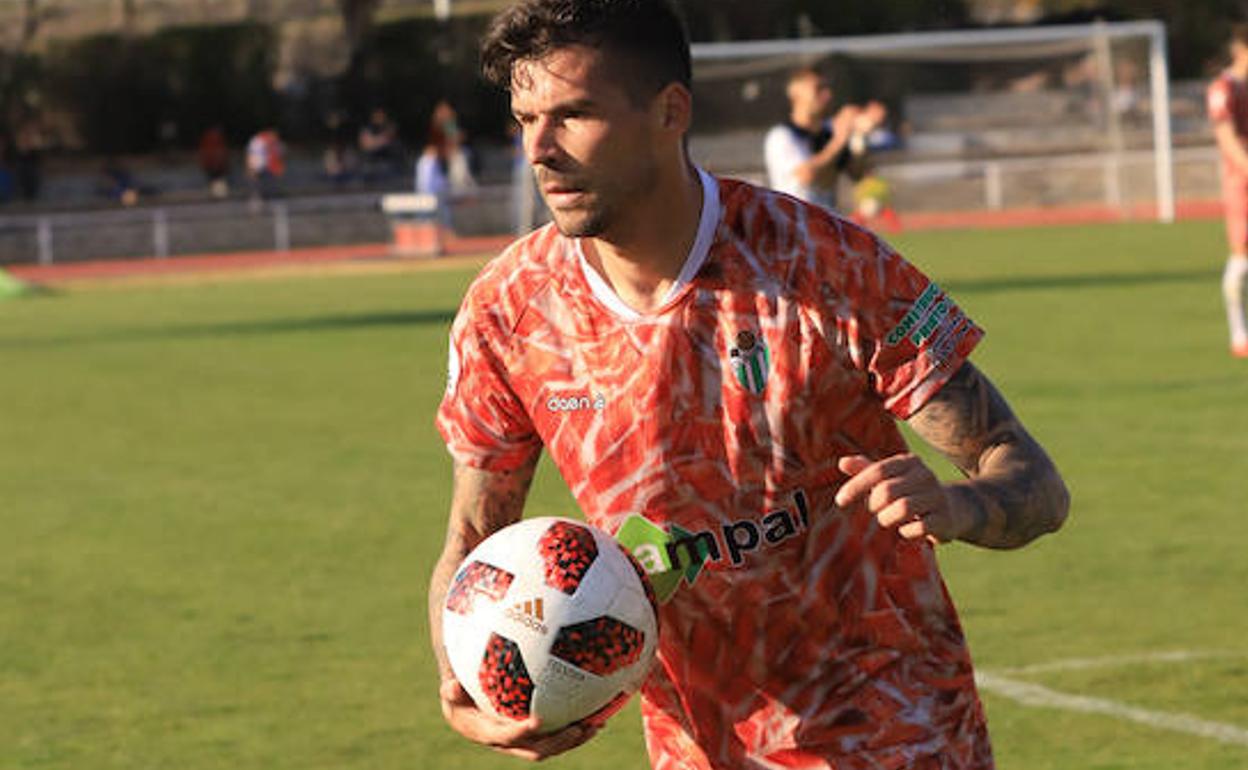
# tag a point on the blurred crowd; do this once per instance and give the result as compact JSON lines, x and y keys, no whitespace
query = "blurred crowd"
{"x":817,"y":148}
{"x":21,"y":156}
{"x":369,"y":153}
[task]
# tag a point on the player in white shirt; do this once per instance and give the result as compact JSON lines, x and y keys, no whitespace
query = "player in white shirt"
{"x":805,"y":153}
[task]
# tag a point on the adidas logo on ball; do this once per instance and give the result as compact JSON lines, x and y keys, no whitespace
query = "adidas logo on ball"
{"x":529,"y":613}
{"x":550,"y":617}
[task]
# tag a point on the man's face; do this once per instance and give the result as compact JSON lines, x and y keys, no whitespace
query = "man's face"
{"x":1239,"y":52}
{"x":811,"y":95}
{"x":593,"y":150}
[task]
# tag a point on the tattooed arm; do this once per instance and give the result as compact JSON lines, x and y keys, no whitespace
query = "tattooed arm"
{"x":482,"y":503}
{"x":1012,"y":494}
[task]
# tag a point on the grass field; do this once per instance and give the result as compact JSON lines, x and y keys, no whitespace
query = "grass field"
{"x":220,"y":504}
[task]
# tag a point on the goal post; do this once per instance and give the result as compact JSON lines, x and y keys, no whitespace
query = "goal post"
{"x":751,"y":68}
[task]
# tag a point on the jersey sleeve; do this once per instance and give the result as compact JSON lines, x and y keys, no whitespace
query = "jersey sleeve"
{"x":899,"y":326}
{"x":481,"y":418}
{"x":1218,"y":101}
{"x":782,"y":153}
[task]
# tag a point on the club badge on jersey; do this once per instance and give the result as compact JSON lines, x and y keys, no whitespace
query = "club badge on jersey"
{"x":750,"y":362}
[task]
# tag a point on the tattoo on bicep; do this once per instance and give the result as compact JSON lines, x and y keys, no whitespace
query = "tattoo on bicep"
{"x":966,"y":418}
{"x":486,"y":501}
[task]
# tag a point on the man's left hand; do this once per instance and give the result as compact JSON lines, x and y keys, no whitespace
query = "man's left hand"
{"x":903,"y":494}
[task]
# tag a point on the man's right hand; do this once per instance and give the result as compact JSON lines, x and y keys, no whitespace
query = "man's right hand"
{"x":522,"y":739}
{"x":843,"y":122}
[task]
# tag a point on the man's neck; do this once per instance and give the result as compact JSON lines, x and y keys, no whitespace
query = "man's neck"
{"x":806,"y":121}
{"x":643,"y":256}
{"x":1239,"y":69}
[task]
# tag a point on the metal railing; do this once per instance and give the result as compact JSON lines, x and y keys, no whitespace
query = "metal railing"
{"x":1113,"y":179}
{"x":1068,"y":180}
{"x":223,"y":226}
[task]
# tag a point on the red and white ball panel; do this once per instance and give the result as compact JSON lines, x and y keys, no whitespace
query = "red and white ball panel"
{"x":550,"y":617}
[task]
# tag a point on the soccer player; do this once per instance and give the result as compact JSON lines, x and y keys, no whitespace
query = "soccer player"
{"x":805,"y":154}
{"x":725,"y":365}
{"x":1228,"y":110}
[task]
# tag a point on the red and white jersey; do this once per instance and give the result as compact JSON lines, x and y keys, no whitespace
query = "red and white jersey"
{"x":1227,"y":100}
{"x":795,"y":634}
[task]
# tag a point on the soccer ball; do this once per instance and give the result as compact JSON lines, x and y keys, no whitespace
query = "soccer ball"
{"x":550,"y":617}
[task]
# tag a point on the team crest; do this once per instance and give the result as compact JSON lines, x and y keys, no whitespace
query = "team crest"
{"x":750,"y":362}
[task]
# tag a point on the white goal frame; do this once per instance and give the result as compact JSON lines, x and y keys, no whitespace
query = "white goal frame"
{"x":1097,"y":35}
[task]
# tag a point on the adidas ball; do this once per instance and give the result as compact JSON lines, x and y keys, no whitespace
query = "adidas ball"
{"x":550,"y":617}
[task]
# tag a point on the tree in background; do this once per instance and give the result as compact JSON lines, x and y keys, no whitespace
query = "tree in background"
{"x":18,"y":68}
{"x":1197,"y":31}
{"x":718,"y":20}
{"x":122,"y":85}
{"x":357,"y":27}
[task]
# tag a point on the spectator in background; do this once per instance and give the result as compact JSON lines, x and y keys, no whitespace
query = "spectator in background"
{"x":443,"y":169}
{"x":339,"y":160}
{"x":433,"y":174}
{"x":28,"y":158}
{"x":213,"y":155}
{"x":379,"y":145}
{"x":118,"y":182}
{"x":444,"y":126}
{"x":7,"y":183}
{"x":804,"y":153}
{"x":266,"y":163}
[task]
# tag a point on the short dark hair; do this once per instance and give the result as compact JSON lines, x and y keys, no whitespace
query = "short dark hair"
{"x":803,"y":73}
{"x":647,"y":36}
{"x":1239,"y":33}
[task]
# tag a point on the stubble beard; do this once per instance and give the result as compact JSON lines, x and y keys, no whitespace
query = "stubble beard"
{"x":581,"y":223}
{"x":602,"y":214}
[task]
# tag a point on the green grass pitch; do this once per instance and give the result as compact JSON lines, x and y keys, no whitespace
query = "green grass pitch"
{"x":219,"y":506}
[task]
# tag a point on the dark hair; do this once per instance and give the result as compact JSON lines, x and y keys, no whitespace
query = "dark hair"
{"x":647,"y":38}
{"x":802,"y":73}
{"x":1239,"y":33}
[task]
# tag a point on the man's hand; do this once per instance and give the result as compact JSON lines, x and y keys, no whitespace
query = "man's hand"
{"x":522,"y":738}
{"x":844,"y":120}
{"x":903,"y":494}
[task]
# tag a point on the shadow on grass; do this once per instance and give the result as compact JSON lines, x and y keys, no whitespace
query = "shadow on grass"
{"x":425,"y":317}
{"x":262,"y":327}
{"x":1080,"y":281}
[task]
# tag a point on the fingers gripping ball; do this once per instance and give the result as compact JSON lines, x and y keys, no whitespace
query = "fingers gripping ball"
{"x":550,"y":617}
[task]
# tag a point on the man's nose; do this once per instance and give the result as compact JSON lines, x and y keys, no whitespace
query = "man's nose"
{"x":539,"y":141}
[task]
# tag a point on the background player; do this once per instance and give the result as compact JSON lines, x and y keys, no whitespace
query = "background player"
{"x":826,"y":635}
{"x":805,"y":154}
{"x":1228,"y":110}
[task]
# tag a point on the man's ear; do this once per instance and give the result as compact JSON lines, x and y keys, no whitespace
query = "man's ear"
{"x":674,"y":108}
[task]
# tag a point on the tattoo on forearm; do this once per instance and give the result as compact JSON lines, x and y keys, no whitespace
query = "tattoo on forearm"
{"x":980,"y":519}
{"x":1013,"y":493}
{"x":482,"y":503}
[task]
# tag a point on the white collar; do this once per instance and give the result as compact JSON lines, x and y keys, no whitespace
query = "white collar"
{"x":698,"y":253}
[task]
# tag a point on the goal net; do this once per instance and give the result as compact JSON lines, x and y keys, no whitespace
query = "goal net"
{"x":1037,"y":117}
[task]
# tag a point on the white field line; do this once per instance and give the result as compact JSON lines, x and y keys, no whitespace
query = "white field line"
{"x":1111,"y":661}
{"x":1029,"y":694}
